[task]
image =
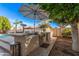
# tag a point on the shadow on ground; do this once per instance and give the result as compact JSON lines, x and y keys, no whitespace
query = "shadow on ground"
{"x":63,"y":47}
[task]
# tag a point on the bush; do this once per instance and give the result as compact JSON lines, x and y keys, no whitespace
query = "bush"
{"x":66,"y":32}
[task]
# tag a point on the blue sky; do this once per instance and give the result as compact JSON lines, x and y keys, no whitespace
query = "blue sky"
{"x":11,"y":11}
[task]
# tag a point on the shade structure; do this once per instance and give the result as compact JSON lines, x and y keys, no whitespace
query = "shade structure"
{"x":34,"y":12}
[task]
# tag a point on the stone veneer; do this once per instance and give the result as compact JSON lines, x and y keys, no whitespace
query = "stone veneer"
{"x":26,"y":45}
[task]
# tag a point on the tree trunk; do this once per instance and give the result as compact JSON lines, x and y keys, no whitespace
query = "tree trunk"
{"x":16,"y":28}
{"x":23,"y":28}
{"x":75,"y":37}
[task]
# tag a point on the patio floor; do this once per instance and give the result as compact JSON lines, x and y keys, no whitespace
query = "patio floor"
{"x":63,"y":47}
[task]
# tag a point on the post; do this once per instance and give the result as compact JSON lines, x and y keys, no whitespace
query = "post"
{"x":34,"y":19}
{"x":34,"y":25}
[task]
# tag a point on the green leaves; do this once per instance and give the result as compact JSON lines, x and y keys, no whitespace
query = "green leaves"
{"x":62,"y":12}
{"x":17,"y":22}
{"x":4,"y":23}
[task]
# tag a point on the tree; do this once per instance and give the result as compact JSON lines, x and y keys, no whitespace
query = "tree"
{"x":23,"y":25}
{"x":45,"y":24}
{"x":4,"y":24}
{"x":16,"y":24}
{"x":43,"y":27}
{"x":65,"y":14}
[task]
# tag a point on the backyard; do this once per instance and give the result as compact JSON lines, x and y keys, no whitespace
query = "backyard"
{"x":54,"y":29}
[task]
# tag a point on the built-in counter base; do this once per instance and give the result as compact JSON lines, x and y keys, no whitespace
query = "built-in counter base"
{"x":27,"y":43}
{"x":40,"y":51}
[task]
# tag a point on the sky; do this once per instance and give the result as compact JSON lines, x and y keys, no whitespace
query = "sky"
{"x":11,"y":11}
